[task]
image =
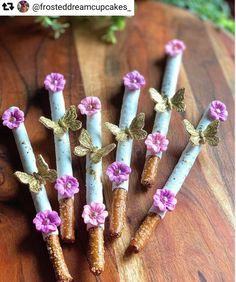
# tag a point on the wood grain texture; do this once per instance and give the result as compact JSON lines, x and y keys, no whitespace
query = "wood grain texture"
{"x":195,"y":242}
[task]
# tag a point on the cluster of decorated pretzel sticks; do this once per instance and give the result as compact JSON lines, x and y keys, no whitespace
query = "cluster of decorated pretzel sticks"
{"x":131,"y":128}
{"x":37,"y":173}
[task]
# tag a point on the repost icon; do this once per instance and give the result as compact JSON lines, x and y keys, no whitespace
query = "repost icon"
{"x":8,"y":6}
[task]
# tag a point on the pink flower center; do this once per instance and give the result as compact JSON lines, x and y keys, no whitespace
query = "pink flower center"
{"x":117,"y":171}
{"x":218,"y":111}
{"x":177,"y":47}
{"x":46,"y":221}
{"x":55,"y":82}
{"x":134,"y":80}
{"x":12,"y":119}
{"x":68,"y":185}
{"x":90,"y":107}
{"x":93,"y":214}
{"x":164,"y":199}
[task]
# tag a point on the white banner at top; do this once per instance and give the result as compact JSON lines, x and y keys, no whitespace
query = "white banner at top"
{"x":67,"y":8}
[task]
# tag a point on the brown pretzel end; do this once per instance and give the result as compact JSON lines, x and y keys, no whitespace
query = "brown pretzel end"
{"x":96,"y":250}
{"x":118,"y":212}
{"x":67,"y":227}
{"x":57,"y":259}
{"x":149,"y":174}
{"x":144,"y":232}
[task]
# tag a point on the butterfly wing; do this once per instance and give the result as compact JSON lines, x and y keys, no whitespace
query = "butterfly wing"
{"x":120,"y":134}
{"x":136,"y":127}
{"x":86,"y":140}
{"x":158,"y":99}
{"x":44,"y":171}
{"x":98,"y":154}
{"x":194,"y":134}
{"x":81,"y":151}
{"x":51,"y":125}
{"x":69,"y":119}
{"x":210,"y":133}
{"x":178,"y":100}
{"x":25,"y":178}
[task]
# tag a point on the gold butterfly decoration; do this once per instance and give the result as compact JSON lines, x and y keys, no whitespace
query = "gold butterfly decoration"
{"x":134,"y":131}
{"x":86,"y":147}
{"x":37,"y":179}
{"x":198,"y":137}
{"x":164,"y":103}
{"x":68,"y":121}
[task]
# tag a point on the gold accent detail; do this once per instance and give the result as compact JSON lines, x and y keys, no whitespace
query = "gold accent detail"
{"x":86,"y":147}
{"x":68,"y":121}
{"x":198,"y":137}
{"x":164,"y":103}
{"x":37,"y":179}
{"x":134,"y":131}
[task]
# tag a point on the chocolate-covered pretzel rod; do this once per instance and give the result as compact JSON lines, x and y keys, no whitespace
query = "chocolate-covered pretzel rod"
{"x":157,"y":142}
{"x":164,"y":199}
{"x":62,"y":120}
{"x":130,"y":128}
{"x":46,"y":220}
{"x":94,"y":213}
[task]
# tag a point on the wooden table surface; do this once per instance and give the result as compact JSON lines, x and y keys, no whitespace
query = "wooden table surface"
{"x":195,"y":242}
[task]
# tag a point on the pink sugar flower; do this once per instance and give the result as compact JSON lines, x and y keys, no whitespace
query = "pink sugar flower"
{"x":13,"y":117}
{"x":89,"y":106}
{"x":164,"y":200}
{"x":156,"y":143}
{"x":175,"y":47}
{"x":118,"y":172}
{"x":94,"y":214}
{"x":134,"y":80}
{"x":47,"y":221}
{"x":218,"y":111}
{"x":54,"y":82}
{"x":67,"y":186}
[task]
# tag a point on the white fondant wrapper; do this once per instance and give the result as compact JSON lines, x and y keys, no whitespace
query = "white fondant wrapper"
{"x":27,"y":157}
{"x":162,"y":120}
{"x":185,"y":163}
{"x":62,"y":143}
{"x":128,"y":113}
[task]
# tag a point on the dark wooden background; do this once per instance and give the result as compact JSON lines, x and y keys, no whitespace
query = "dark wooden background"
{"x":196,"y":241}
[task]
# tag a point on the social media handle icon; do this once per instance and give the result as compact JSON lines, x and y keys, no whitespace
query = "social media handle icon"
{"x":23,"y":6}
